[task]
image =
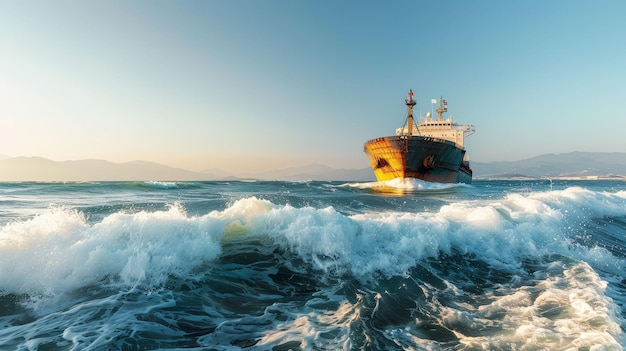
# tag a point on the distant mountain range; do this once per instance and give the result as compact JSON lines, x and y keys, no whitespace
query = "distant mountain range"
{"x":573,"y":164}
{"x":41,"y":169}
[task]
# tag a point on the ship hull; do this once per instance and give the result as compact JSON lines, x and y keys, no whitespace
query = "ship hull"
{"x":426,"y":158}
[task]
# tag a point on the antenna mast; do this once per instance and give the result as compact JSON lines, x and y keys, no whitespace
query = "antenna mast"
{"x":410,"y":103}
{"x":441,"y":108}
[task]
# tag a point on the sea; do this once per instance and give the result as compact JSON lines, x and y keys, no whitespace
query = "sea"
{"x":313,"y":265}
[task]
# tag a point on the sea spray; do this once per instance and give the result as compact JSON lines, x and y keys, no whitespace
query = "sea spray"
{"x":58,"y":250}
{"x":314,"y":265}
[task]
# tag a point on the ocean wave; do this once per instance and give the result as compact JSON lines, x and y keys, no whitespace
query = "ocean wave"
{"x":563,"y":308}
{"x":164,"y":185}
{"x":515,"y":271}
{"x":59,"y":250}
{"x":405,"y":185}
{"x":161,"y":185}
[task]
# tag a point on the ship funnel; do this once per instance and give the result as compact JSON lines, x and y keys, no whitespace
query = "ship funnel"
{"x":428,"y":115}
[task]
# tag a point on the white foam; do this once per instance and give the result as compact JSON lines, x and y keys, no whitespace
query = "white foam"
{"x":564,"y":311}
{"x":405,"y":185}
{"x":500,"y":232}
{"x":161,"y":184}
{"x":569,"y":310}
{"x":57,"y":250}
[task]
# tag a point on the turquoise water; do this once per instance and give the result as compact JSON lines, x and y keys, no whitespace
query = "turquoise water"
{"x":312,"y":265}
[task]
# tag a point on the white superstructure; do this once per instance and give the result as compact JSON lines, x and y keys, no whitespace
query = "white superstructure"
{"x":440,"y":128}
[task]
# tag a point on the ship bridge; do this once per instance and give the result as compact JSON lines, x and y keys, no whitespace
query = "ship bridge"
{"x":440,"y":129}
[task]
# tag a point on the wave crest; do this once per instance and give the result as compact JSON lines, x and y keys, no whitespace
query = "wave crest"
{"x":59,"y":250}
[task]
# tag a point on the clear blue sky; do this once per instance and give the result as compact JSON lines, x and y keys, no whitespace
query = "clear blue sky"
{"x":255,"y":85}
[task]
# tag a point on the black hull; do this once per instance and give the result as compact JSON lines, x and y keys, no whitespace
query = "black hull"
{"x":429,"y":159}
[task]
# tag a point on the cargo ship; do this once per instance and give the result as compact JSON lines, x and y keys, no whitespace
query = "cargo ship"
{"x":431,"y":150}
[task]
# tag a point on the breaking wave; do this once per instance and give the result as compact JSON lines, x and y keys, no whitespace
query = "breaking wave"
{"x":532,"y":250}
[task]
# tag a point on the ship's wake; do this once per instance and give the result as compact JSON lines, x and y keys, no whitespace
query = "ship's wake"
{"x":405,"y":185}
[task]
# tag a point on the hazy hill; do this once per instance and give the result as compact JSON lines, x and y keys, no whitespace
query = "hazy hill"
{"x":572,"y":164}
{"x":41,"y":169}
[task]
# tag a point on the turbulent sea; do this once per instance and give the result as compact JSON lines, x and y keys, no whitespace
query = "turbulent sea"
{"x":496,"y":265}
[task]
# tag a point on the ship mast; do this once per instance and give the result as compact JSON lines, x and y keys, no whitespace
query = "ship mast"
{"x":441,"y":108}
{"x":410,"y":103}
